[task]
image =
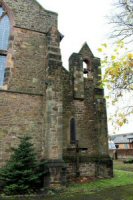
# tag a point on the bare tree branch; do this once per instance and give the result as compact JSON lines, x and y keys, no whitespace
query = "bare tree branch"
{"x":122,"y":20}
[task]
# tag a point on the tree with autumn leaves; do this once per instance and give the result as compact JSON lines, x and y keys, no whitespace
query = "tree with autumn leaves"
{"x":117,"y":65}
{"x":117,"y":60}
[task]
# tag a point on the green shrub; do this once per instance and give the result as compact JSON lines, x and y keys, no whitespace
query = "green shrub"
{"x":22,"y":173}
{"x":130,"y":161}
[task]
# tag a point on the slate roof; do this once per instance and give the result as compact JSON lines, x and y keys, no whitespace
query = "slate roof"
{"x":122,"y":138}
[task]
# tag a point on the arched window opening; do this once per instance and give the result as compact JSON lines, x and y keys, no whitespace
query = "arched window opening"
{"x":87,"y":68}
{"x":72,"y":131}
{"x":4,"y":41}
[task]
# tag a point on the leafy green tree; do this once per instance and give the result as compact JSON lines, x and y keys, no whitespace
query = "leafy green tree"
{"x":21,"y":174}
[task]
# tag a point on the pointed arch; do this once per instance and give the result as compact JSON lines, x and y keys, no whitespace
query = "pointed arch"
{"x":5,"y":31}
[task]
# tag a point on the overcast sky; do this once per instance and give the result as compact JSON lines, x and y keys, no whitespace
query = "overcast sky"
{"x":82,"y":21}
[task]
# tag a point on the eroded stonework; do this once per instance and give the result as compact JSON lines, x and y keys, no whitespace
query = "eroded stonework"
{"x":63,"y":111}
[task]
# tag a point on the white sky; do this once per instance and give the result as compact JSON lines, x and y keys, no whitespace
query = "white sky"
{"x":79,"y":21}
{"x":82,"y":21}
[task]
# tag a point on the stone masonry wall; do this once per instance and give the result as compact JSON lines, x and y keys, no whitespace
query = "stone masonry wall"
{"x":22,"y":104}
{"x":28,"y":54}
{"x":68,"y":106}
{"x":84,"y":113}
{"x":29,"y":14}
{"x":76,"y":70}
{"x":20,"y":114}
{"x":42,"y":97}
{"x":33,"y":54}
{"x":99,"y":168}
{"x":101,"y":125}
{"x":85,"y":127}
{"x":53,"y":114}
{"x":81,"y":108}
{"x":91,"y":124}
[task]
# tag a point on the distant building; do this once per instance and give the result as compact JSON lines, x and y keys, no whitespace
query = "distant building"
{"x":124,"y":141}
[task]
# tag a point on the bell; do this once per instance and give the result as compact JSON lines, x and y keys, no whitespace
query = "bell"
{"x":85,"y":71}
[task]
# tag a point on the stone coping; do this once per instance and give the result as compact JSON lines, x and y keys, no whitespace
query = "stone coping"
{"x":86,"y":159}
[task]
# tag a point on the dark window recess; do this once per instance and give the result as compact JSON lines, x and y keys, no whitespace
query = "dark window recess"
{"x":72,"y":131}
{"x":99,"y":91}
{"x":4,"y":42}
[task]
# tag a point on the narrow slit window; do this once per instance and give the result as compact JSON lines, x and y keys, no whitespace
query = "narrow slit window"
{"x":4,"y":42}
{"x":72,"y":131}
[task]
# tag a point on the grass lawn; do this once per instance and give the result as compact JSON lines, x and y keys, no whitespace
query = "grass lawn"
{"x":118,"y":164}
{"x":120,"y":187}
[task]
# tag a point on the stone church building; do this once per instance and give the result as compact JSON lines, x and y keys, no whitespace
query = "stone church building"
{"x":64,"y":111}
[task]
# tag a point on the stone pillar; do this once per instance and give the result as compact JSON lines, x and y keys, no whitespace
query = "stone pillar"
{"x":54,"y":120}
{"x":54,"y":131}
{"x":76,"y":70}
